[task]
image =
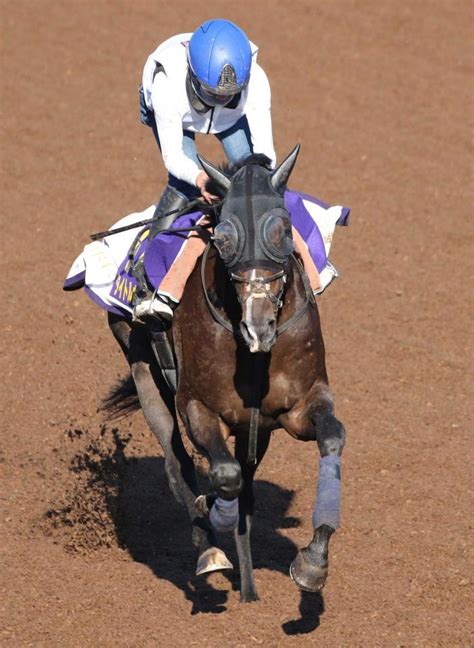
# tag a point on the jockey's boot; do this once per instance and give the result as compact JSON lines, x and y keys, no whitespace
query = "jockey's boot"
{"x":148,"y":304}
{"x":170,"y":201}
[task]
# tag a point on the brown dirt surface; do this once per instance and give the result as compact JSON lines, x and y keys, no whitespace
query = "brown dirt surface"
{"x":95,"y":552}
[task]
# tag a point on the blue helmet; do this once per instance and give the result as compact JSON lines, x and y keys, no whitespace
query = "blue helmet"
{"x":219,"y":57}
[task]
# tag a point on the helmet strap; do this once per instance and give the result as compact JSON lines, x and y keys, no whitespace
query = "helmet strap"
{"x":196,"y":102}
{"x":235,"y":102}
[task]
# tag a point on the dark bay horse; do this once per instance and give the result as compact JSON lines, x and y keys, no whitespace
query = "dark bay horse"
{"x":250,"y":361}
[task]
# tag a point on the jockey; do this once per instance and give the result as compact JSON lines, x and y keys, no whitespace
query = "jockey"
{"x":203,"y":82}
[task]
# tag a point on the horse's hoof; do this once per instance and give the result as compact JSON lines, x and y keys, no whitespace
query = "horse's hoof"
{"x":213,"y":559}
{"x":308,"y":577}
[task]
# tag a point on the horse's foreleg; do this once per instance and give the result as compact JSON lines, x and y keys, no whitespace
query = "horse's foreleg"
{"x":313,"y":419}
{"x":158,"y":409}
{"x":209,"y":434}
{"x":206,"y":430}
{"x":248,"y":590}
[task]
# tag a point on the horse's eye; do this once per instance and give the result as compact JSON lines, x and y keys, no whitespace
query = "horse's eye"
{"x":226,"y":240}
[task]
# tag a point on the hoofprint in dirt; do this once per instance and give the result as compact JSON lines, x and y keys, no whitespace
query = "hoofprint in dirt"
{"x":385,"y":118}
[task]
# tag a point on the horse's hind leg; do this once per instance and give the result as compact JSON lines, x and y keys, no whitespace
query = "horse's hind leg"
{"x":248,"y":591}
{"x":158,"y":408}
{"x":313,"y":419}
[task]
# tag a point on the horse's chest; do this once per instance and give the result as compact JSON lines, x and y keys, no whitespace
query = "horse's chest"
{"x":279,"y":394}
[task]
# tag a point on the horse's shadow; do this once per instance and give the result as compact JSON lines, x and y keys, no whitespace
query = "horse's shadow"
{"x":156,"y":531}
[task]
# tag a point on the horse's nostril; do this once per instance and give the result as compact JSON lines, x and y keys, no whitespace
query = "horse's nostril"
{"x":247,"y":330}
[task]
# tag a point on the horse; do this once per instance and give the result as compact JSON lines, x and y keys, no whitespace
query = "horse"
{"x":250,"y":361}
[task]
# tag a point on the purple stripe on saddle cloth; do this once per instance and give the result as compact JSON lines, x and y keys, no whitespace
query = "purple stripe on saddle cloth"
{"x":306,"y":227}
{"x":163,"y":250}
{"x":73,"y":283}
{"x":292,"y":196}
{"x":343,"y":219}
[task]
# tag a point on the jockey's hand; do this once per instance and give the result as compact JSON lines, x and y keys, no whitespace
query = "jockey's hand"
{"x":201,"y":183}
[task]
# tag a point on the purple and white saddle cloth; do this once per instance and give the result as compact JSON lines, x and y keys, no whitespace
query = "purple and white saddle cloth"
{"x":104,"y":268}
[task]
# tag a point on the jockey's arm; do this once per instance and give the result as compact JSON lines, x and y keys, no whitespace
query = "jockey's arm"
{"x":170,"y":132}
{"x":258,"y":112}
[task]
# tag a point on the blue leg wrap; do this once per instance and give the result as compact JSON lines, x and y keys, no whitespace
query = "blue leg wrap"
{"x":326,"y":509}
{"x":224,"y":514}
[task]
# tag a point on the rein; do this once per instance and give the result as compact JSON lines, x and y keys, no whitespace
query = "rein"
{"x":260,"y":281}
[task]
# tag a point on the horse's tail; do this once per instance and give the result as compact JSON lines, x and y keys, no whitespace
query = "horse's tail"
{"x":122,"y":399}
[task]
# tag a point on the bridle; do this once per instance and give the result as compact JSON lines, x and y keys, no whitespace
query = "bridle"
{"x":260,"y":288}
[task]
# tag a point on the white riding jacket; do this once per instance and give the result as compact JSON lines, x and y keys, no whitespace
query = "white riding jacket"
{"x":166,"y":96}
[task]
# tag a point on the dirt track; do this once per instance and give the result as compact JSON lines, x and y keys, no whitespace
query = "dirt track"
{"x":95,"y":551}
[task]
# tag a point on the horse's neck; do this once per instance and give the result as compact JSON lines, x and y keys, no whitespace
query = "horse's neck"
{"x":295,"y":295}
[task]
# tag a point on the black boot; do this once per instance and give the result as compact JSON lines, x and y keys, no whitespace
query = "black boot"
{"x":170,"y":201}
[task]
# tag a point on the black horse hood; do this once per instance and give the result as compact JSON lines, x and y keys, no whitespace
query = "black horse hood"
{"x":254,"y":223}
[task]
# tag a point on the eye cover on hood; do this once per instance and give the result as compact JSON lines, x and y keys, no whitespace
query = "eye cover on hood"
{"x":273,"y":241}
{"x":275,"y":234}
{"x":229,"y":239}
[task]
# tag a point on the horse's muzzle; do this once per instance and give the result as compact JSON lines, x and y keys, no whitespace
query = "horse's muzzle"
{"x":259,"y":338}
